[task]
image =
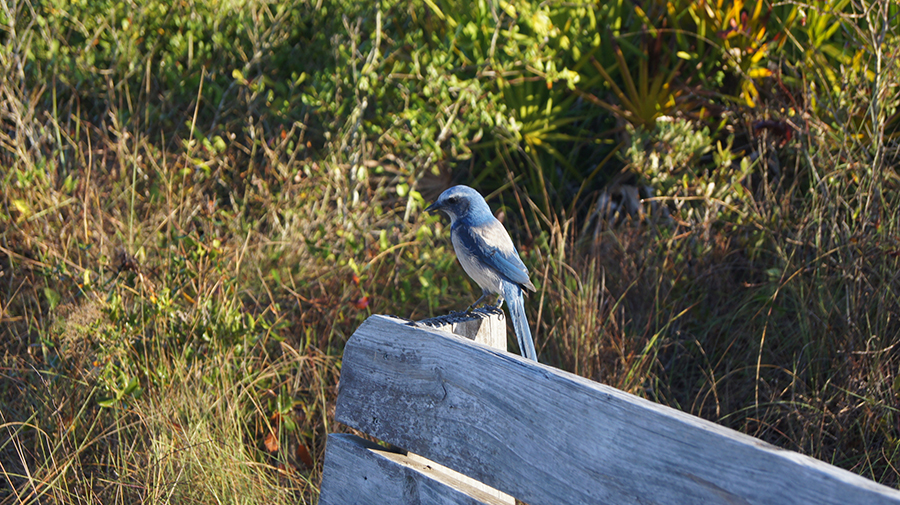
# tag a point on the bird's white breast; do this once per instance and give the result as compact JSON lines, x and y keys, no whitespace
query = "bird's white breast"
{"x":484,"y":276}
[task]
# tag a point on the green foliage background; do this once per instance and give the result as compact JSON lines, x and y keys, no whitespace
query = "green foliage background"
{"x":201,"y":201}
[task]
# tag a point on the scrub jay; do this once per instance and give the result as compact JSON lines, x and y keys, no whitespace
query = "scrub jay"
{"x":488,"y":255}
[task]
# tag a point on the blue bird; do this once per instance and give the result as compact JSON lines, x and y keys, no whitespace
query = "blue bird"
{"x":488,"y":255}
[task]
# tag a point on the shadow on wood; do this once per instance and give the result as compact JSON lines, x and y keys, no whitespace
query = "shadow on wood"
{"x":366,"y":473}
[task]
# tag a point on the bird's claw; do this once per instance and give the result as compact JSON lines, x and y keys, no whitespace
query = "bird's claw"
{"x":490,"y":309}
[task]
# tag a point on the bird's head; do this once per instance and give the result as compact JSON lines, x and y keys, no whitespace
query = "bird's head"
{"x":461,"y":202}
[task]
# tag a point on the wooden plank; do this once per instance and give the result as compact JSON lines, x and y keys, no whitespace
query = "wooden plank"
{"x":486,"y":327}
{"x":547,"y":437}
{"x":342,"y":469}
{"x":360,"y":472}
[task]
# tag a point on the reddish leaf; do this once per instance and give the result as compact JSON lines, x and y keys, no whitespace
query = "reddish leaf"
{"x":303,"y":455}
{"x":361,"y":303}
{"x":271,"y":442}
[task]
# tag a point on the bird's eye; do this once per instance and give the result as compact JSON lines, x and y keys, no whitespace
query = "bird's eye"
{"x":451,"y":200}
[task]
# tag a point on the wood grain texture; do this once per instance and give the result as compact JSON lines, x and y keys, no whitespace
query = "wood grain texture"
{"x":485,"y":326}
{"x":549,"y":437}
{"x":358,"y":472}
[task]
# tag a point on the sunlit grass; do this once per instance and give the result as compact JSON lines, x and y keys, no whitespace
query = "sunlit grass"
{"x":175,"y":296}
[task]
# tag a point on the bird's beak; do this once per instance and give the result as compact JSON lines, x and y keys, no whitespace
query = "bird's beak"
{"x":431,"y":209}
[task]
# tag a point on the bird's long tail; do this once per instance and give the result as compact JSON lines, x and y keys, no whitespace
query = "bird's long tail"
{"x":516,"y":303}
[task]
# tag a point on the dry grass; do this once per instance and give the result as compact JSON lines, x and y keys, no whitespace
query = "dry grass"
{"x":172,"y":312}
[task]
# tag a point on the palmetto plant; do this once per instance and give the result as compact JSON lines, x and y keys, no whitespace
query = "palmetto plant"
{"x":645,"y":98}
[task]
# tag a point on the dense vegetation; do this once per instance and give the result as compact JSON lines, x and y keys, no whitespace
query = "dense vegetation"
{"x":200,"y":202}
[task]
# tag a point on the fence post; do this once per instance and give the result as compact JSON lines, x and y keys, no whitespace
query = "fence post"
{"x":486,"y":327}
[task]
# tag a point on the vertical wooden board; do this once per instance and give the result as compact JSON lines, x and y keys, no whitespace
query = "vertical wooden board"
{"x":549,"y":437}
{"x":358,"y":472}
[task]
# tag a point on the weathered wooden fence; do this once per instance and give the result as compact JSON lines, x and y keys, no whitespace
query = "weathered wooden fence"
{"x":539,"y":434}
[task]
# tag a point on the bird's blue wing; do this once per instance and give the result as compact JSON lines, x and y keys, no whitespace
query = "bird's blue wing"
{"x":491,"y":243}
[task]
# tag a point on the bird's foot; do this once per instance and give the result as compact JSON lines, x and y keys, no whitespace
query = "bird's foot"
{"x":490,"y":309}
{"x":474,"y":305}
